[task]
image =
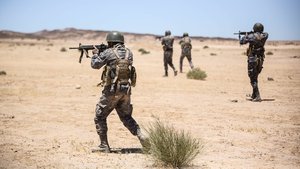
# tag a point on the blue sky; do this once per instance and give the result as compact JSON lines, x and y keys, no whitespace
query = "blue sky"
{"x":213,"y":18}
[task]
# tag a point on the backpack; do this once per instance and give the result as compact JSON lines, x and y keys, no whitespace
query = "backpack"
{"x":186,"y":45}
{"x":125,"y":73}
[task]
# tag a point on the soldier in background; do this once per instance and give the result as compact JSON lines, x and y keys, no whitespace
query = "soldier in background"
{"x":255,"y":53}
{"x":118,"y":77}
{"x":167,"y":42}
{"x":186,"y":48}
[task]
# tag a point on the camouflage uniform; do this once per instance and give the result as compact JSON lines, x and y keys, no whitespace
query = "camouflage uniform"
{"x":256,"y":56}
{"x":167,"y":42}
{"x":118,"y":99}
{"x":186,"y":48}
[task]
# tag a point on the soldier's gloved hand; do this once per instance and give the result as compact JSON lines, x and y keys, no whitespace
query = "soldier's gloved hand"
{"x":95,"y":51}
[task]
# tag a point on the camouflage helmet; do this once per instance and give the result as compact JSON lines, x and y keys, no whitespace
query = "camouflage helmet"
{"x":258,"y":27}
{"x":185,"y":34}
{"x":115,"y":37}
{"x":168,"y":32}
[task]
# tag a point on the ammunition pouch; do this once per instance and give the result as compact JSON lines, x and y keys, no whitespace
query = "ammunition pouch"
{"x":106,"y":77}
{"x":124,"y":88}
{"x":249,"y":51}
{"x":133,"y":76}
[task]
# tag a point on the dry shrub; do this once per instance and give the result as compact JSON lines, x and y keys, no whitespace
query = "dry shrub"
{"x":2,"y":72}
{"x":197,"y":74}
{"x":269,"y":53}
{"x":170,"y":147}
{"x":205,"y":47}
{"x":63,"y":49}
{"x":143,"y":51}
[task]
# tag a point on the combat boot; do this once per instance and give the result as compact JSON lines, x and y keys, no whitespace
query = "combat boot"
{"x":143,"y":140}
{"x":103,"y":147}
{"x":257,"y":96}
{"x":254,"y":88}
{"x":253,"y":94}
{"x":191,"y":65}
{"x":166,"y":74}
{"x":175,"y":72}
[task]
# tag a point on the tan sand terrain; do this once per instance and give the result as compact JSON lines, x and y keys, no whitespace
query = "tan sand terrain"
{"x":46,"y":122}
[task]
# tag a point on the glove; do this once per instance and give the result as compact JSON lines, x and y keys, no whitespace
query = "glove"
{"x":95,"y":51}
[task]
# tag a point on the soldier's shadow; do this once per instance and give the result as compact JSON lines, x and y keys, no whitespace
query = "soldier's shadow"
{"x":263,"y":100}
{"x":126,"y":150}
{"x":267,"y":100}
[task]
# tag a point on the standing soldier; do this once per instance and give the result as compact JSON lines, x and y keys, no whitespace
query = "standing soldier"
{"x":167,"y":42}
{"x":186,"y":48}
{"x":118,"y":77}
{"x":255,"y":53}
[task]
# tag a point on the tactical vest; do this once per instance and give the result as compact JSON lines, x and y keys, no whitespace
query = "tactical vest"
{"x":186,"y":45}
{"x":257,"y":47}
{"x":122,"y":73}
{"x":168,"y":43}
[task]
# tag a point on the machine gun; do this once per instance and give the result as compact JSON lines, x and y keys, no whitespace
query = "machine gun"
{"x":85,"y":49}
{"x":242,"y":33}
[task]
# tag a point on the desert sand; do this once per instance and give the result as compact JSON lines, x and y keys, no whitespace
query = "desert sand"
{"x":47,"y":104}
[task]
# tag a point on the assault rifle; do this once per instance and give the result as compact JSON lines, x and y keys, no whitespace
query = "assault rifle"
{"x":85,"y":49}
{"x":242,"y":33}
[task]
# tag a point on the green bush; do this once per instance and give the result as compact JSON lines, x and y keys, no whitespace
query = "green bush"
{"x":170,"y":147}
{"x":197,"y":74}
{"x":143,"y":51}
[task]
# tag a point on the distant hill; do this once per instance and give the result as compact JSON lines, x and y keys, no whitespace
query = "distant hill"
{"x":5,"y":34}
{"x":73,"y":33}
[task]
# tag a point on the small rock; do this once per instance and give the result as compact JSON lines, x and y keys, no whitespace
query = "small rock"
{"x":270,"y":79}
{"x":78,"y":87}
{"x":234,"y":101}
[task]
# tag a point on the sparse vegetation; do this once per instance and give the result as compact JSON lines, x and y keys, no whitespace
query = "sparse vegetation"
{"x":2,"y":72}
{"x":170,"y":147}
{"x":296,"y":57}
{"x":143,"y":51}
{"x":290,"y":43}
{"x":205,"y":47}
{"x":269,"y":53}
{"x":197,"y":74}
{"x":213,"y":54}
{"x":63,"y":49}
